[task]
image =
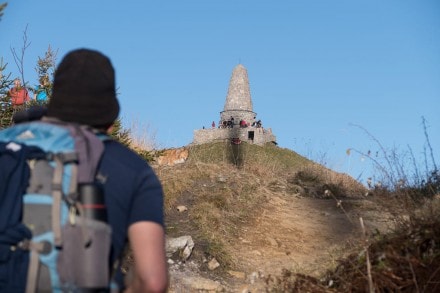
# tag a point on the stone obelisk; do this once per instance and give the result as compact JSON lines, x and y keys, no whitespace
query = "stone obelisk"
{"x":238,"y":100}
{"x":238,"y":105}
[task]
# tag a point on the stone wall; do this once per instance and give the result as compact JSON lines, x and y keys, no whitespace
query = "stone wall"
{"x":253,"y":135}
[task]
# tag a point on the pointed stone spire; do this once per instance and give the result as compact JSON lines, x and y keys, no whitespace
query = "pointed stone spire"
{"x":239,"y":94}
{"x":238,"y":103}
{"x":237,"y":120}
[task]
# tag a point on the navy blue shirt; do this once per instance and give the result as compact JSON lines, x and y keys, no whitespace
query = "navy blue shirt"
{"x":132,"y":191}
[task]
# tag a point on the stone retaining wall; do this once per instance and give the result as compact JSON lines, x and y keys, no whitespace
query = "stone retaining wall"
{"x":253,"y":135}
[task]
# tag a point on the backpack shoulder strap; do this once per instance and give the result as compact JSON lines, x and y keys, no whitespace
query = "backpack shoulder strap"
{"x":88,"y":146}
{"x":90,"y":149}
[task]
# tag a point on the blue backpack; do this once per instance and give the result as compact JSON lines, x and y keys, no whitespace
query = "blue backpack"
{"x":53,"y":231}
{"x":41,"y":94}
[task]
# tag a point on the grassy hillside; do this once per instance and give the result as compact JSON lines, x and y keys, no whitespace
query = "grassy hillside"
{"x":223,"y":186}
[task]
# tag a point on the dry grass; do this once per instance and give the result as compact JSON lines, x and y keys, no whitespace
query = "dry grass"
{"x":405,"y":260}
{"x":224,"y":188}
{"x":219,"y":199}
{"x":143,"y":136}
{"x":222,"y":195}
{"x":322,"y":179}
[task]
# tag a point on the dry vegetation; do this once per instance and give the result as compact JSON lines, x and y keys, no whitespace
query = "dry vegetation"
{"x":405,"y":260}
{"x":225,"y":187}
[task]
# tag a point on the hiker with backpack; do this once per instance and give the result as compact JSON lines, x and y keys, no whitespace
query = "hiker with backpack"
{"x":19,"y":94}
{"x":40,"y":92}
{"x":99,"y":194}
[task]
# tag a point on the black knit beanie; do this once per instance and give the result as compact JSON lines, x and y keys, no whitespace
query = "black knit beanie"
{"x":84,"y":90}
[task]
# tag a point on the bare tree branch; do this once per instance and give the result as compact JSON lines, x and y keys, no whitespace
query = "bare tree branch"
{"x":19,"y":58}
{"x":431,"y":153}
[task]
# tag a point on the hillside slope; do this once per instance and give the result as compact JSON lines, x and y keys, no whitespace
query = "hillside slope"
{"x":258,"y":210}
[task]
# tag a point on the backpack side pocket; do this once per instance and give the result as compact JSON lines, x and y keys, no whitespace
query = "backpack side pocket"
{"x":84,"y":257}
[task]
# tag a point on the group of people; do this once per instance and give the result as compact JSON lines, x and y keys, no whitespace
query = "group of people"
{"x":243,"y":124}
{"x":19,"y":94}
{"x":226,"y":123}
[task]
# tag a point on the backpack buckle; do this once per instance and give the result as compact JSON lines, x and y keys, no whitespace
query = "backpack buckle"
{"x":72,"y":215}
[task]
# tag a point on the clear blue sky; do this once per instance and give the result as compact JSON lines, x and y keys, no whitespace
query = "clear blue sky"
{"x":315,"y":66}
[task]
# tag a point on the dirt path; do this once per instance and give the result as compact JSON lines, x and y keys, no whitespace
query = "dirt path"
{"x":304,"y":235}
{"x":300,"y":234}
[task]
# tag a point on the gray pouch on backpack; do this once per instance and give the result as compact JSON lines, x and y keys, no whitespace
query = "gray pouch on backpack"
{"x":84,"y":258}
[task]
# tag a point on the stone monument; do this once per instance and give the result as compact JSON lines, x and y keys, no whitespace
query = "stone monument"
{"x":238,"y":121}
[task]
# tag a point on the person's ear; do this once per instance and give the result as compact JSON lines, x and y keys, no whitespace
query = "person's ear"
{"x":110,"y":129}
